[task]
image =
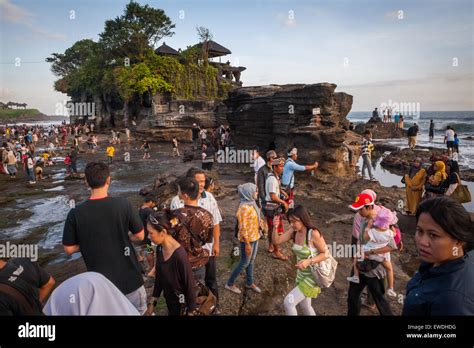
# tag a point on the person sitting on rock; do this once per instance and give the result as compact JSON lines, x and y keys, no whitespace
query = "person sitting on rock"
{"x":435,"y":185}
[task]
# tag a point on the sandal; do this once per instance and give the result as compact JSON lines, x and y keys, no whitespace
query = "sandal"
{"x":280,"y":256}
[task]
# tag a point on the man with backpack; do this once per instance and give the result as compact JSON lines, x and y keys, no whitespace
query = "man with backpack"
{"x":194,"y":227}
{"x":207,"y":201}
{"x":275,"y":205}
{"x":262,"y":174}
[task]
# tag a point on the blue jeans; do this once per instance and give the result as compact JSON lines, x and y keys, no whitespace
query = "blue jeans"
{"x":245,"y":262}
{"x":30,"y":174}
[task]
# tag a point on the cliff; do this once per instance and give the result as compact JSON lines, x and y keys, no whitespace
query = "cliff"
{"x":309,"y":117}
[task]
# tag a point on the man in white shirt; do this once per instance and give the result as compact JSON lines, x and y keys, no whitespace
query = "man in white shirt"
{"x":208,"y":202}
{"x":203,"y":134}
{"x":449,"y":139}
{"x":273,"y":198}
{"x":258,"y":162}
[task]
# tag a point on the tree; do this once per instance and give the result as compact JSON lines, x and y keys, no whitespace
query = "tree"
{"x":204,"y":37}
{"x":138,"y":29}
{"x":73,"y":58}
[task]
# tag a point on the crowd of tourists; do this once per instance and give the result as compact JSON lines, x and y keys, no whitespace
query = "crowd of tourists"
{"x":179,"y":243}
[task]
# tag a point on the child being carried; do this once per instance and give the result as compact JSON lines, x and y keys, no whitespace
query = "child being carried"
{"x":379,"y":234}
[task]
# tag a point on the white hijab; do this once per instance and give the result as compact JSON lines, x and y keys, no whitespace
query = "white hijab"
{"x":88,"y":293}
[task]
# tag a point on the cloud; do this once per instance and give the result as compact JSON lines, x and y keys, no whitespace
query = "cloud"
{"x":12,"y":13}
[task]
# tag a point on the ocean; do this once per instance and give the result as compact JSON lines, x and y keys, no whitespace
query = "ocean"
{"x":461,"y":121}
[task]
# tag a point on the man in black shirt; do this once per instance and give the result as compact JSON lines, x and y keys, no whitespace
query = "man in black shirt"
{"x":412,"y":133}
{"x":24,"y":286}
{"x":99,"y":227}
{"x":195,"y":135}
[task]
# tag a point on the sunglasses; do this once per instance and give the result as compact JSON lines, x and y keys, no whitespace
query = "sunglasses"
{"x":156,"y":223}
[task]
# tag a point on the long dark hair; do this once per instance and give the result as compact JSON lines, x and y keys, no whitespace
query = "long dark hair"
{"x":452,"y":217}
{"x":453,"y":167}
{"x":302,"y":214}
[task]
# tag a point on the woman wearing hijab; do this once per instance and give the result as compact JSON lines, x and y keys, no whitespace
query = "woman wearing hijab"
{"x":414,"y":181}
{"x":88,"y":293}
{"x":435,"y":186}
{"x":248,"y":217}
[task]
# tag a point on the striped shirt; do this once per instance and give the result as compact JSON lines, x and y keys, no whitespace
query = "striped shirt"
{"x":367,"y":147}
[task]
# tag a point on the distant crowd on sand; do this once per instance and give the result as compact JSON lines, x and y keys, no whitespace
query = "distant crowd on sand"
{"x":175,"y":245}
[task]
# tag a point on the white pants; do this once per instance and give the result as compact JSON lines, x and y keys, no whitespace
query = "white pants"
{"x":297,"y":297}
{"x":138,"y":299}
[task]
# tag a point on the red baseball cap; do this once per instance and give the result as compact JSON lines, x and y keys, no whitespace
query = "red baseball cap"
{"x":362,"y":200}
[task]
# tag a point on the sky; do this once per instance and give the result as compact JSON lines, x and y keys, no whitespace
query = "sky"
{"x":379,"y":51}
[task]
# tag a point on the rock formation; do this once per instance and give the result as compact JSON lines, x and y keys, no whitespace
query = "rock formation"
{"x":381,"y":130}
{"x":309,"y":117}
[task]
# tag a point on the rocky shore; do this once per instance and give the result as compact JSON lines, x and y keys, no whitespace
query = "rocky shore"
{"x":399,"y":161}
{"x":325,"y":195}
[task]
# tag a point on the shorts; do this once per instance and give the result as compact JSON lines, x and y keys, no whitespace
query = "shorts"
{"x":450,"y":144}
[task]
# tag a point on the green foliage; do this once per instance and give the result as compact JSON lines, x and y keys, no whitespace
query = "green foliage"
{"x":139,"y":79}
{"x":133,"y":33}
{"x":123,"y":62}
{"x":13,"y":113}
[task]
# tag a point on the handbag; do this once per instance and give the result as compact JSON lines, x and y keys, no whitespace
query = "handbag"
{"x":205,"y":300}
{"x":271,"y":209}
{"x":323,"y":272}
{"x":461,"y":193}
